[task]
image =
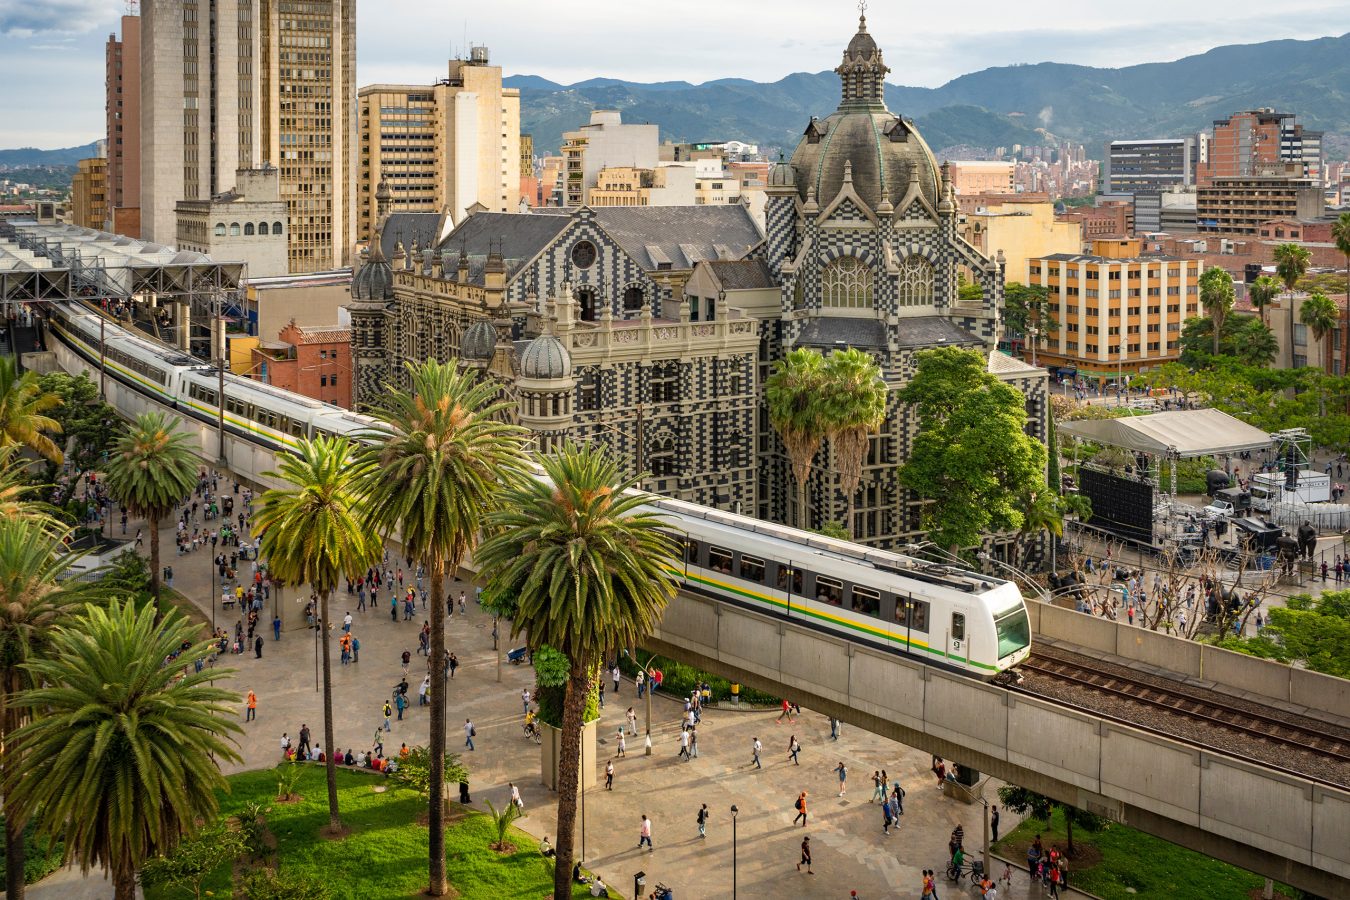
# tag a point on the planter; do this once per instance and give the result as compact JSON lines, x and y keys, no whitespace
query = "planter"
{"x":550,"y":751}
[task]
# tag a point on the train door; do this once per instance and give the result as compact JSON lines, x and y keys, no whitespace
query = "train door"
{"x":959,"y":634}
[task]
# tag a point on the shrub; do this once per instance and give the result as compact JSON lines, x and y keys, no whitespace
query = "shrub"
{"x":40,"y":858}
{"x":253,"y":827}
{"x":501,"y":820}
{"x":679,"y":679}
{"x":288,"y":774}
{"x":264,"y":884}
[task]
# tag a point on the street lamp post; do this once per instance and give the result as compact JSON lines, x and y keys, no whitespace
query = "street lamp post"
{"x":318,"y":626}
{"x":734,"y":810}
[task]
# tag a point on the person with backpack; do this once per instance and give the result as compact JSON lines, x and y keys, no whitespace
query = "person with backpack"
{"x":703,"y":820}
{"x":801,"y":809}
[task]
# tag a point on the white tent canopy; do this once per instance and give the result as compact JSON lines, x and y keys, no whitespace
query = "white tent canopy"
{"x":1185,"y":432}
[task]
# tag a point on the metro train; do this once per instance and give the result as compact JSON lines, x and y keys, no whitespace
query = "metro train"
{"x":938,"y":614}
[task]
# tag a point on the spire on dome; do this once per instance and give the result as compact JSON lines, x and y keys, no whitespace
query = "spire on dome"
{"x":862,"y":72}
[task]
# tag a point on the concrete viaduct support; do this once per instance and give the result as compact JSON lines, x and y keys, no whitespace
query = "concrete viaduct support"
{"x":1273,"y":824}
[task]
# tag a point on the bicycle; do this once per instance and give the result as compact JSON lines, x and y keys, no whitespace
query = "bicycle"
{"x":532,"y":731}
{"x":975,"y":871}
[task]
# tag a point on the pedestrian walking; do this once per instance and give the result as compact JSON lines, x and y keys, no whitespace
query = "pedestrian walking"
{"x":755,"y":749}
{"x":621,"y":749}
{"x":800,"y":806}
{"x":684,"y":745}
{"x":878,"y":788}
{"x":786,"y":713}
{"x":843,"y":778}
{"x":703,"y":820}
{"x":515,"y":798}
{"x":993,"y":822}
{"x":806,"y":856}
{"x":609,"y":775}
{"x":406,"y":659}
{"x":257,"y":647}
{"x":347,"y":622}
{"x":401,"y":701}
{"x":388,"y":711}
{"x":285,"y":744}
{"x":898,"y":795}
{"x":793,"y":749}
{"x":525,"y":700}
{"x":469,"y":733}
{"x":645,"y":833}
{"x":886,"y":817}
{"x":614,"y":674}
{"x":377,"y":744}
{"x":276,"y":628}
{"x":693,"y":743}
{"x":251,"y":712}
{"x":422,"y":692}
{"x":834,"y":728}
{"x":632,"y":721}
{"x":302,"y":749}
{"x":453,"y":662}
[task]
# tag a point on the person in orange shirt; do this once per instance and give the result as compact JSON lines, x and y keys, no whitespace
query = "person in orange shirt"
{"x":252,"y":712}
{"x":403,"y":751}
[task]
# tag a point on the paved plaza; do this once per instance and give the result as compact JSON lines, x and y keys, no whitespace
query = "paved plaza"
{"x":850,"y":850}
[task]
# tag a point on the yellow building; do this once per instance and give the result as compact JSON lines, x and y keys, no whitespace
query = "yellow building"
{"x":441,"y":147}
{"x":89,"y":194}
{"x":1021,"y":232}
{"x":1118,"y":313}
{"x":982,"y":176}
{"x":629,"y":186}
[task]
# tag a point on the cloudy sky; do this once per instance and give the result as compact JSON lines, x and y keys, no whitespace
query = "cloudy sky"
{"x":51,"y":51}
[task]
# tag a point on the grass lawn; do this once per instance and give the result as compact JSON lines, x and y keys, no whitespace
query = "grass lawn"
{"x":1120,"y":863}
{"x":385,"y":855}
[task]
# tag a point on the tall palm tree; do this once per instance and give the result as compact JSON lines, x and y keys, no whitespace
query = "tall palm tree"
{"x":435,"y":466}
{"x":793,"y":393}
{"x":853,"y":406}
{"x":129,"y":747}
{"x":1321,"y":314}
{"x":589,"y":569}
{"x":1216,"y":296}
{"x":151,"y":468}
{"x":1042,"y":510}
{"x":1263,"y":292}
{"x":1291,"y":263}
{"x":33,"y":601}
{"x":23,"y":408}
{"x":314,"y":532}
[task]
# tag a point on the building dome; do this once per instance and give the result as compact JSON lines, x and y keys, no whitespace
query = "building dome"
{"x":374,"y":281}
{"x":781,"y":174}
{"x":545,"y":358}
{"x":480,"y":341}
{"x":887,"y":154}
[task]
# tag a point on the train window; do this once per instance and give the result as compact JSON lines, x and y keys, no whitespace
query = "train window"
{"x":719,"y":560}
{"x":752,"y":569}
{"x":911,"y":613}
{"x":958,"y":626}
{"x":790,"y":579}
{"x":691,"y":552}
{"x":865,"y":600}
{"x":829,"y":591}
{"x":297,"y":428}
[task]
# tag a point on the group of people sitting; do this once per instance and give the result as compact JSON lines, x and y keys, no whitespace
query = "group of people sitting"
{"x":598,"y":887}
{"x":356,"y":759}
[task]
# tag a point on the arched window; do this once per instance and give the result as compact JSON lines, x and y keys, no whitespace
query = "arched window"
{"x":665,"y":382}
{"x":234,"y":229}
{"x":262,"y":228}
{"x":661,"y":458}
{"x":248,"y":229}
{"x":846,"y":284}
{"x":220,"y":229}
{"x":585,"y":298}
{"x":632,"y":299}
{"x":916,"y":282}
{"x":276,"y":228}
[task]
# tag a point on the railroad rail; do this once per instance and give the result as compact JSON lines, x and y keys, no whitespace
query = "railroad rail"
{"x":1285,"y":739}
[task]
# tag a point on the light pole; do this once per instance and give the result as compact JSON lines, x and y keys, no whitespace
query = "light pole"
{"x":318,"y":626}
{"x":734,"y":810}
{"x":1034,"y":332}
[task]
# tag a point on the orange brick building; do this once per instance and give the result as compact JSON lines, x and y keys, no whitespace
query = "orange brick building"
{"x":315,"y":361}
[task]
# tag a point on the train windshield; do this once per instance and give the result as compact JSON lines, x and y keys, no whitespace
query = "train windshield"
{"x":1014,"y":632}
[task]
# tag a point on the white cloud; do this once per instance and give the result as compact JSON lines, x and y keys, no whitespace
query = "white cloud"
{"x":27,"y":18}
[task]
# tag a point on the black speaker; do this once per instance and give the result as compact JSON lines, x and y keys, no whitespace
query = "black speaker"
{"x":1122,"y":506}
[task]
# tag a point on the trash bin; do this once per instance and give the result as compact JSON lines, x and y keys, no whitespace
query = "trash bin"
{"x":464,"y":792}
{"x":735,"y":693}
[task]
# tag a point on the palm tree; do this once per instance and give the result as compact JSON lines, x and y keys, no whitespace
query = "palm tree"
{"x":1042,"y":510}
{"x":1263,"y":292}
{"x":1216,"y":296}
{"x":315,"y":532}
{"x":1291,"y":263}
{"x":129,"y":747}
{"x":853,"y":408}
{"x":150,"y":470}
{"x":16,"y":491}
{"x":793,"y":393}
{"x":33,"y":601}
{"x":23,"y":408}
{"x":588,"y":568}
{"x":1340,"y":233}
{"x":433,"y":473}
{"x":1321,"y":315}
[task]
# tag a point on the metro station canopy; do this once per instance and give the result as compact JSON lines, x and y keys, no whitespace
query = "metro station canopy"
{"x":1182,"y":432}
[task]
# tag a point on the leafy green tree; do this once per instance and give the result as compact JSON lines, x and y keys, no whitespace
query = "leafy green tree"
{"x":585,"y":569}
{"x":1041,"y":511}
{"x":436,"y":461}
{"x":1027,"y":306}
{"x":414,"y":771}
{"x":150,"y":470}
{"x":793,"y":393}
{"x":83,"y":416}
{"x":1262,"y":292}
{"x":1314,"y":631}
{"x":129,"y":747}
{"x":1340,"y":233}
{"x":314,"y":532}
{"x":967,"y":291}
{"x":1216,"y":296}
{"x":23,"y":411}
{"x":833,"y":529}
{"x":1039,"y":807}
{"x":1321,"y":315}
{"x":501,"y":821}
{"x":186,"y":866}
{"x":972,"y":452}
{"x":1242,"y":337}
{"x":854,"y":408}
{"x":36,"y":596}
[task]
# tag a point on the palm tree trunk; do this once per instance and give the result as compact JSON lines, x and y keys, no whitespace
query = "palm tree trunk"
{"x":436,"y":807}
{"x":154,"y":563}
{"x":124,"y":880}
{"x":801,"y":503}
{"x":14,"y":846}
{"x":569,"y":769}
{"x":330,"y":765}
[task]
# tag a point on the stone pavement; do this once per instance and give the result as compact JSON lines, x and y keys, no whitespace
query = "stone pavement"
{"x":850,"y":851}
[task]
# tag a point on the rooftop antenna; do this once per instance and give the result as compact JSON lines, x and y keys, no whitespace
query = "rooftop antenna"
{"x":133,"y":7}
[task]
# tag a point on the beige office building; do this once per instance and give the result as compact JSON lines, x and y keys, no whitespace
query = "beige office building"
{"x":122,"y":81}
{"x":441,"y":147}
{"x":89,"y":194}
{"x":237,"y":84}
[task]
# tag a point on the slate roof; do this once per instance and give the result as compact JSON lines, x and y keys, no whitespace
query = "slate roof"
{"x":521,"y":236}
{"x":932,"y":331}
{"x":407,"y":227}
{"x":655,"y":234}
{"x":833,"y":332}
{"x":743,"y":274}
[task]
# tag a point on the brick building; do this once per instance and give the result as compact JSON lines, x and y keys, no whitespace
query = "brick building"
{"x":315,"y":361}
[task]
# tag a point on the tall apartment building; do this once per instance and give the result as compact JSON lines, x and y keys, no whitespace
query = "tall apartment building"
{"x":1148,"y":165}
{"x":236,"y":84}
{"x":1247,"y":140}
{"x":443,"y":146}
{"x":1240,"y":205}
{"x":1119,"y":313}
{"x":122,"y":83}
{"x":604,"y":143}
{"x":89,"y":194}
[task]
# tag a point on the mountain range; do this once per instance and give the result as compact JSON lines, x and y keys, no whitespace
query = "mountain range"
{"x":994,"y":107}
{"x":27,"y":157}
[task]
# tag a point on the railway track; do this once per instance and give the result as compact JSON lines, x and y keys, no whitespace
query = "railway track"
{"x":1289,"y":742}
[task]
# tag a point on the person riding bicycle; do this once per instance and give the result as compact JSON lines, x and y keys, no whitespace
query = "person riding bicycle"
{"x":958,"y":858}
{"x":531,"y":729}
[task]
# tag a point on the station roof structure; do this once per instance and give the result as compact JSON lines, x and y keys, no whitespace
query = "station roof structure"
{"x":1181,"y":433}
